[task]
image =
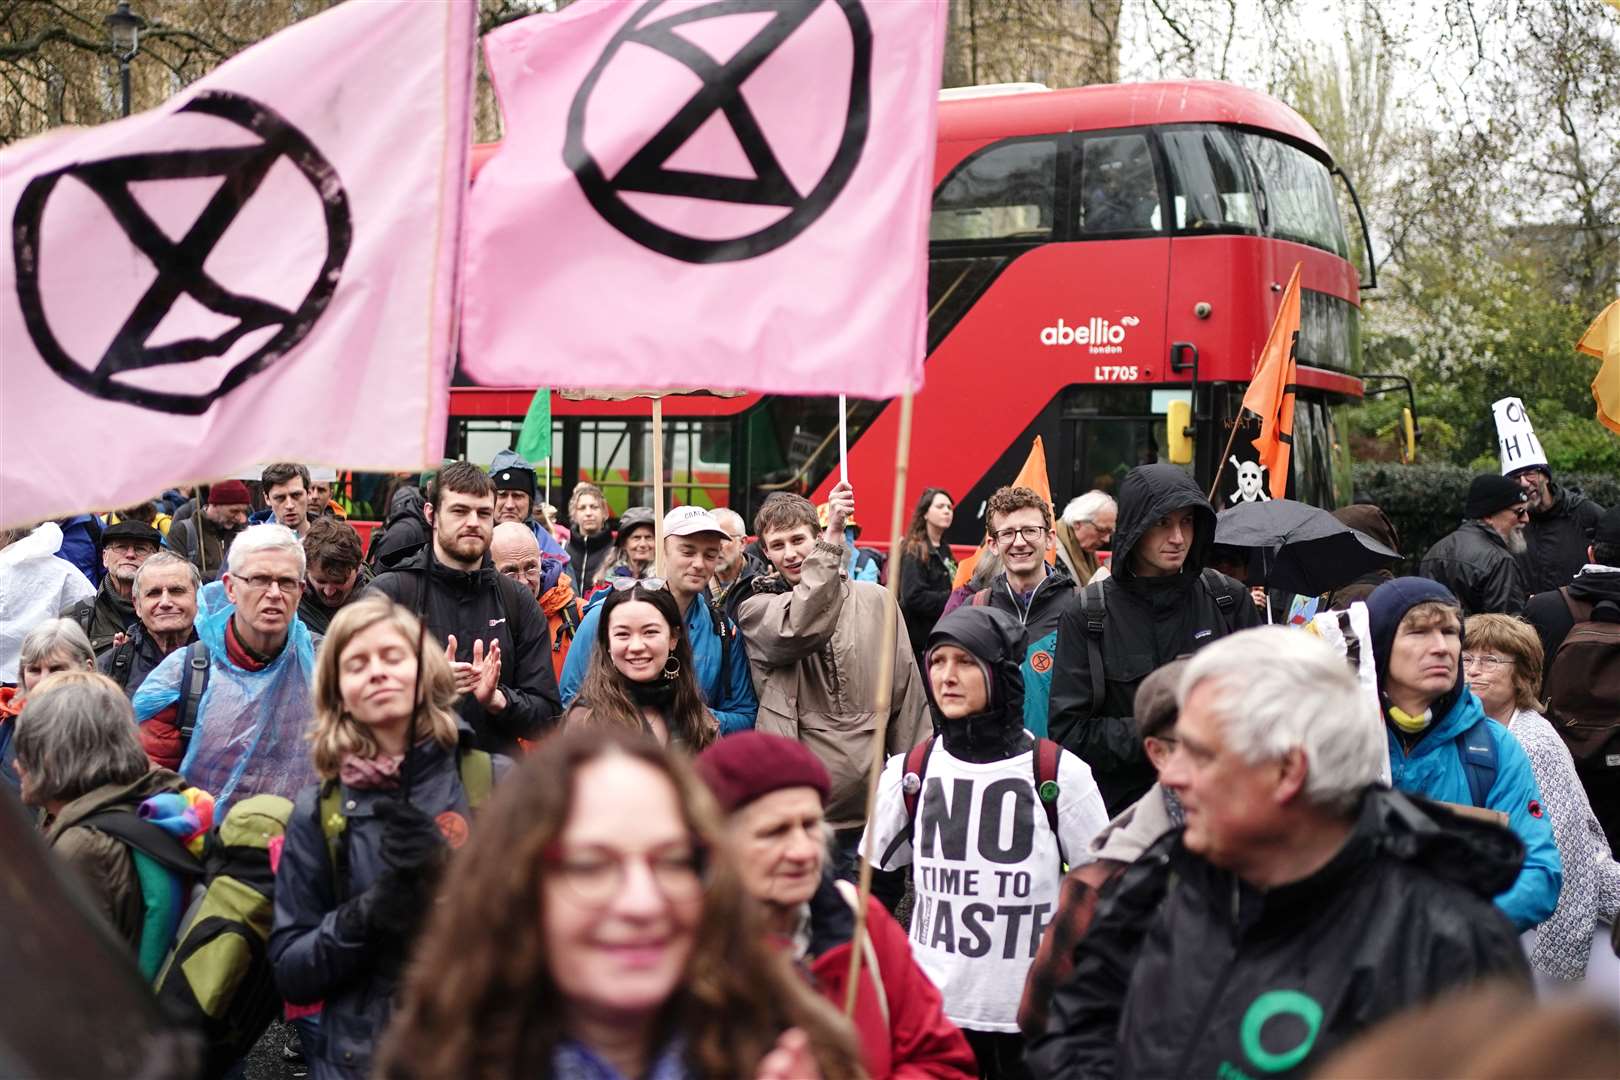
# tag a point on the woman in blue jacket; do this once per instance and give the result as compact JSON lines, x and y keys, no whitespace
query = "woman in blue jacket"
{"x":1441,"y":744}
{"x":364,"y":847}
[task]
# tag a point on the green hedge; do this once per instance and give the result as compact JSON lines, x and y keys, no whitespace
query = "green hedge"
{"x":1426,"y":501}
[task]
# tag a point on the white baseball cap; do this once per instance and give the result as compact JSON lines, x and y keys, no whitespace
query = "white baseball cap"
{"x":691,"y":520}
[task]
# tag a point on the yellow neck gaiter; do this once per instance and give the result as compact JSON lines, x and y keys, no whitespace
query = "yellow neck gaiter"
{"x":1409,"y":723}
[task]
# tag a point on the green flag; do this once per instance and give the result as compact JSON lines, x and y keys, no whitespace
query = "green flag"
{"x":534,"y":442}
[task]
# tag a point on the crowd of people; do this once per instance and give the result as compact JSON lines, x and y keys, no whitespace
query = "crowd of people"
{"x":1121,"y":827}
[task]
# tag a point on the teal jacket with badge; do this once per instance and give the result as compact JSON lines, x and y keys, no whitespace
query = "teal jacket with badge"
{"x":1040,"y":619}
{"x":1434,"y":769}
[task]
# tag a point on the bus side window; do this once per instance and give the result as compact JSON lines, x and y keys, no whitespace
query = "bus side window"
{"x":1209,"y":182}
{"x":1004,"y":192}
{"x":1118,"y":185}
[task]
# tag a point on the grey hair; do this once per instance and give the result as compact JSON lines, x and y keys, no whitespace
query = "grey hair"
{"x":1086,"y":507}
{"x":54,"y":636}
{"x":1280,"y":689}
{"x":725,"y":515}
{"x":269,"y":536}
{"x":77,"y":734}
{"x":160,"y":559}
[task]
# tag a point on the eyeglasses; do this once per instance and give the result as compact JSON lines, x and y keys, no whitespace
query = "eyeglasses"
{"x":1029,"y":534}
{"x":262,"y":583}
{"x":651,"y":584}
{"x":596,"y":875}
{"x":1485,"y":660}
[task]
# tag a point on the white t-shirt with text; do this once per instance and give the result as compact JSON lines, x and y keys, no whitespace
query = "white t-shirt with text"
{"x":985,"y":870}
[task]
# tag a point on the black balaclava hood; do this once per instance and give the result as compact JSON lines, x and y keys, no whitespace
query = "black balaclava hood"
{"x":996,"y":640}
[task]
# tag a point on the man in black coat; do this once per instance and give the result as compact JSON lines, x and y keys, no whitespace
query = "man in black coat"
{"x":1303,"y":901}
{"x":1561,"y":526}
{"x":1158,"y":603}
{"x":124,"y":547}
{"x":502,"y":647}
{"x":1478,"y":560}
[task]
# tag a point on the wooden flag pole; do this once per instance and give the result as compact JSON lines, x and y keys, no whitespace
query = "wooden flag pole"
{"x":885,"y":689}
{"x":1220,"y":466}
{"x":658,"y":484}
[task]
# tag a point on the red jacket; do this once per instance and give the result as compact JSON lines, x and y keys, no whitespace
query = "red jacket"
{"x":915,"y":1039}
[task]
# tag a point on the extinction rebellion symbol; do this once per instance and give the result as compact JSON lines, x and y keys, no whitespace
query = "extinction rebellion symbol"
{"x":621,"y":197}
{"x":179,"y":264}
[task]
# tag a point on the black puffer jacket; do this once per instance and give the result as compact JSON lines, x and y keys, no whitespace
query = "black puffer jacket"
{"x":484,"y":604}
{"x":1473,"y":562}
{"x":1189,"y":972}
{"x":1149,"y":622}
{"x":925,"y":585}
{"x":403,"y":534}
{"x":1556,"y":540}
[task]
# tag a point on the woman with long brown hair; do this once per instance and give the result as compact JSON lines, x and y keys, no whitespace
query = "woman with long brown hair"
{"x":640,"y":676}
{"x":364,"y":847}
{"x":925,"y":584}
{"x":596,"y":926}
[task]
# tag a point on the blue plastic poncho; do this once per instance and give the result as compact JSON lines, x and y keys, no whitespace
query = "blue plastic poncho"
{"x":249,"y":737}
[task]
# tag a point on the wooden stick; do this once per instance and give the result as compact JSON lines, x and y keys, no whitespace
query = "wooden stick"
{"x":885,"y":692}
{"x":1220,"y":465}
{"x":658,"y":485}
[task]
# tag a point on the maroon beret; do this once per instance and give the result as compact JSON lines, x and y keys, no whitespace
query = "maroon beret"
{"x":228,"y":493}
{"x":740,"y":768}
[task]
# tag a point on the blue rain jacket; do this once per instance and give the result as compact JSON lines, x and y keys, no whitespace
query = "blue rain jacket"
{"x":1435,"y":770}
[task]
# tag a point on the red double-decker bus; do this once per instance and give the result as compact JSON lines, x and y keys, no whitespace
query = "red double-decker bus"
{"x":1096,"y":255}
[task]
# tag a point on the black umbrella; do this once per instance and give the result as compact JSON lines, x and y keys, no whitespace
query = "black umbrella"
{"x":1300,"y":548}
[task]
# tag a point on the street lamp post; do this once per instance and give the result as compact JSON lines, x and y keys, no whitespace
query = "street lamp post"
{"x":124,"y":28}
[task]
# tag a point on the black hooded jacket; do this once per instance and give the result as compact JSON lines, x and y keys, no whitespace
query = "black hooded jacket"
{"x":1148,"y":623}
{"x":996,"y":640}
{"x":484,"y":604}
{"x":1187,"y":971}
{"x":404,"y":533}
{"x":1556,"y":540}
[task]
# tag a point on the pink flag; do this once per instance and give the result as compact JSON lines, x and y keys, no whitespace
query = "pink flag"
{"x":262,"y":268}
{"x":722,"y":193}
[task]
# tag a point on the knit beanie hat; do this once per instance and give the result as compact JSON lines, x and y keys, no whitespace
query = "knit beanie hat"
{"x":1387,"y":606}
{"x":1489,"y":493}
{"x":228,"y":493}
{"x":742,"y":767}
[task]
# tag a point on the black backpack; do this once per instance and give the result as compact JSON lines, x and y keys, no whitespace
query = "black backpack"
{"x":1583,"y":683}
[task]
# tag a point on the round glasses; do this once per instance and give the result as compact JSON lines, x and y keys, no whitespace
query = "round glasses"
{"x":595,"y":875}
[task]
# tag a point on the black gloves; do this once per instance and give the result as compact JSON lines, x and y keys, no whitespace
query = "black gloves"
{"x":411,"y":841}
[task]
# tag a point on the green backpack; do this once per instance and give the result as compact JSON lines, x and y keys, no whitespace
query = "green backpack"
{"x":218,"y":978}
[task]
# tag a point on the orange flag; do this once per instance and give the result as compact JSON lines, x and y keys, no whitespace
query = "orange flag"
{"x":1271,"y":394}
{"x":1033,"y":476}
{"x":1602,"y":340}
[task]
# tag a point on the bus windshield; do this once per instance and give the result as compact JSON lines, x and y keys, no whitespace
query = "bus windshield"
{"x":1299,"y":199}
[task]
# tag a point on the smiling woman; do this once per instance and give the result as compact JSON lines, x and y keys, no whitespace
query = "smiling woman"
{"x":641,"y":674}
{"x":596,"y":926}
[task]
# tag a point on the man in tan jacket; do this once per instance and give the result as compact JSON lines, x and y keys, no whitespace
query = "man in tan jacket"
{"x":813,"y":639}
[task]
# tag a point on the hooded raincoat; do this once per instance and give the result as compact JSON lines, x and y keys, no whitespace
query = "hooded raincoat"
{"x":1149,"y":622}
{"x":35,"y":585}
{"x":249,"y":737}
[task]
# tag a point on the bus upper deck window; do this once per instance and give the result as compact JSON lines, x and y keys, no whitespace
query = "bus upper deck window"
{"x":1004,"y":192}
{"x":1210,"y":182}
{"x":1300,"y":201}
{"x":1118,"y":185}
